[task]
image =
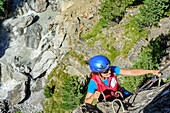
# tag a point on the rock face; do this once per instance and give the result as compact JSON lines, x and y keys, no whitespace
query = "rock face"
{"x":32,"y":43}
{"x":39,"y":34}
{"x":26,"y":54}
{"x":22,"y":22}
{"x":38,"y":5}
{"x":155,"y":100}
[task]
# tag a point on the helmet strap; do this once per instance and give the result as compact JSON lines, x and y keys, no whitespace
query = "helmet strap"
{"x":102,"y":76}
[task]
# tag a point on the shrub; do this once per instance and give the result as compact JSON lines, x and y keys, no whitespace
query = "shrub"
{"x":149,"y":58}
{"x":64,"y":92}
{"x":48,"y":91}
{"x":151,"y":54}
{"x":53,"y":90}
{"x":151,"y":12}
{"x":2,"y":6}
{"x":167,"y":13}
{"x":72,"y":93}
{"x":133,"y":32}
{"x":93,"y":33}
{"x":113,"y":10}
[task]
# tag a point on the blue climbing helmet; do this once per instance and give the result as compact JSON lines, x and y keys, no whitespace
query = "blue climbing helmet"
{"x":99,"y":63}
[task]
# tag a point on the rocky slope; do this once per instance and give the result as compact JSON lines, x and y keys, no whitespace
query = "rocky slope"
{"x":32,"y":42}
{"x":39,"y":35}
{"x":155,"y":100}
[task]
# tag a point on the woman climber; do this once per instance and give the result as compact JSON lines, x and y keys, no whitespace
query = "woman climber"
{"x":103,"y":79}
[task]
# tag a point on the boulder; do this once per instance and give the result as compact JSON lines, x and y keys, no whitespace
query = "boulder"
{"x":163,"y":29}
{"x":133,"y":53}
{"x":64,"y":5}
{"x":40,"y":67}
{"x":23,"y":21}
{"x":33,"y":36}
{"x":38,"y":5}
{"x":122,"y":62}
{"x":17,"y":94}
{"x":81,"y":70}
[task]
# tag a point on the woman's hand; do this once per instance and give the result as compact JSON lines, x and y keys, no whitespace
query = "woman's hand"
{"x":156,"y":72}
{"x":90,"y":96}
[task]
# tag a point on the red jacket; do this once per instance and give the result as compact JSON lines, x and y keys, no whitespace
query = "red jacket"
{"x":109,"y":92}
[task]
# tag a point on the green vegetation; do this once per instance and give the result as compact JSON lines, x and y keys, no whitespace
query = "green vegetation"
{"x":108,"y":46}
{"x":48,"y":91}
{"x":64,"y":92}
{"x":113,"y":10}
{"x":167,"y":13}
{"x":168,"y":80}
{"x":73,"y":93}
{"x":149,"y":58}
{"x":96,"y":30}
{"x":151,"y":12}
{"x":133,"y":33}
{"x":79,"y":57}
{"x":2,"y":6}
{"x":133,"y":30}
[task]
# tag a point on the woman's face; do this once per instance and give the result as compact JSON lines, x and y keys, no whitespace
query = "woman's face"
{"x":106,"y":73}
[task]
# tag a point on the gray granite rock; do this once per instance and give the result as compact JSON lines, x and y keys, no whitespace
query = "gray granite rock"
{"x":154,"y":100}
{"x":22,"y":22}
{"x":38,"y":5}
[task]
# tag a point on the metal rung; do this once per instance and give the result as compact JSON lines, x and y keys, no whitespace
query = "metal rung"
{"x":159,"y":82}
{"x":118,"y":92}
{"x":103,"y":96}
{"x":120,"y":104}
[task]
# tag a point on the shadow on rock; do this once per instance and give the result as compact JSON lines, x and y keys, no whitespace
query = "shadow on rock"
{"x":14,"y":4}
{"x":4,"y":39}
{"x":160,"y":104}
{"x":87,"y":108}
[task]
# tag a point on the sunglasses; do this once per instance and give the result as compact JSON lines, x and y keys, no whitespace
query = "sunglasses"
{"x":107,"y":70}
